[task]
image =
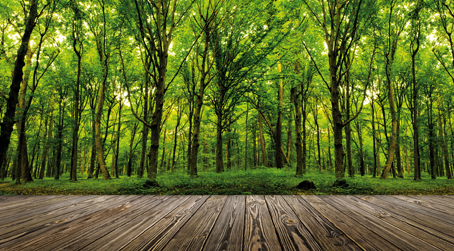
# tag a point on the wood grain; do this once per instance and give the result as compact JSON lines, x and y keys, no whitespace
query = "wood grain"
{"x":362,"y":236}
{"x":227,"y":233}
{"x":292,"y":233}
{"x":259,"y":233}
{"x":159,"y":235}
{"x":122,"y":235}
{"x":325,"y":233}
{"x":411,"y":216}
{"x":428,"y":235}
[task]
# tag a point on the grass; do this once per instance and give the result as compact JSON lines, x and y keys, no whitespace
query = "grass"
{"x":256,"y":181}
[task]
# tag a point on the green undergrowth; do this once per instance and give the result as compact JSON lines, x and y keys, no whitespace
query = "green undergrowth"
{"x":252,"y":182}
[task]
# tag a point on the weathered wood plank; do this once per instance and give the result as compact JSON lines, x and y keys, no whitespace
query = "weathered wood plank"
{"x":414,"y":207}
{"x":50,"y":234}
{"x":6,"y":199}
{"x":124,"y":234}
{"x":406,"y":225}
{"x":411,"y":215}
{"x":18,"y":203}
{"x":227,"y":233}
{"x":443,"y":200}
{"x":193,"y":235}
{"x":396,"y":236}
{"x":32,"y":210}
{"x":156,"y":237}
{"x":259,"y":233}
{"x":426,"y":204}
{"x":85,"y":237}
{"x":292,"y":233}
{"x":362,"y":236}
{"x":324,"y":232}
{"x":55,"y":217}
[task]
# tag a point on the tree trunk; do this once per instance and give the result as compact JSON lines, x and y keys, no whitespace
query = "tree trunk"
{"x":219,"y":160}
{"x":374,"y":139}
{"x":299,"y":150}
{"x":93,"y":147}
{"x":163,"y":149}
{"x":133,"y":134}
{"x":444,"y":145}
{"x":143,"y":153}
{"x":157,"y":118}
{"x":6,"y":127}
{"x":76,"y":117}
{"x":400,"y":170}
{"x":47,"y":144}
{"x":392,"y":145}
{"x":361,"y":154}
{"x":431,"y":143}
{"x":99,"y":146}
{"x":245,"y":143}
{"x":278,"y":132}
{"x":318,"y":139}
{"x":262,"y":141}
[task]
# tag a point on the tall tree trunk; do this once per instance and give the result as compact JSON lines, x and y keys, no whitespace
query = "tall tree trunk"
{"x":133,"y":134}
{"x":143,"y":153}
{"x":329,"y":149}
{"x":289,"y":138}
{"x":392,"y":108}
{"x":99,"y":146}
{"x":400,"y":170}
{"x":157,"y":117}
{"x":6,"y":127}
{"x":175,"y":141}
{"x":219,"y":160}
{"x":245,"y":143}
{"x":117,"y":154}
{"x":47,"y":143}
{"x":361,"y":154}
{"x":318,"y":139}
{"x":431,"y":141}
{"x":374,"y":139}
{"x":91,"y":169}
{"x":278,"y":132}
{"x":299,"y":150}
{"x":304,"y":134}
{"x":444,"y":145}
{"x":228,"y":147}
{"x":262,"y":141}
{"x":163,"y":148}
{"x":76,"y":116}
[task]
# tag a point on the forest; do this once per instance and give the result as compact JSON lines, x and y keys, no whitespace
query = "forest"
{"x":153,"y":88}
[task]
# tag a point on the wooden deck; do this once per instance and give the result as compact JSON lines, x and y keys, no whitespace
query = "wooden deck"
{"x":226,"y":222}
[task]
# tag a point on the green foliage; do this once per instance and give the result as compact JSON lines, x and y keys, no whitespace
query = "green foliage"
{"x":251,"y":182}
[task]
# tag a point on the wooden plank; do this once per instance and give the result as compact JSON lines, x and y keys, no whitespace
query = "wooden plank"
{"x":58,"y":216}
{"x":362,"y":236}
{"x":439,"y":216}
{"x":430,"y":205}
{"x":6,"y":199}
{"x":15,"y":204}
{"x":436,"y":199}
{"x":410,"y":227}
{"x":227,"y":233}
{"x":410,"y":215}
{"x":324,"y":232}
{"x":292,"y":233}
{"x":149,"y":206}
{"x":45,"y":236}
{"x":259,"y":233}
{"x":156,"y":237}
{"x":123,"y":235}
{"x":193,"y":235}
{"x":32,"y":210}
{"x":393,"y":234}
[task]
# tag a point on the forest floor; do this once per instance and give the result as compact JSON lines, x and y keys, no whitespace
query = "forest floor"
{"x":257,"y":181}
